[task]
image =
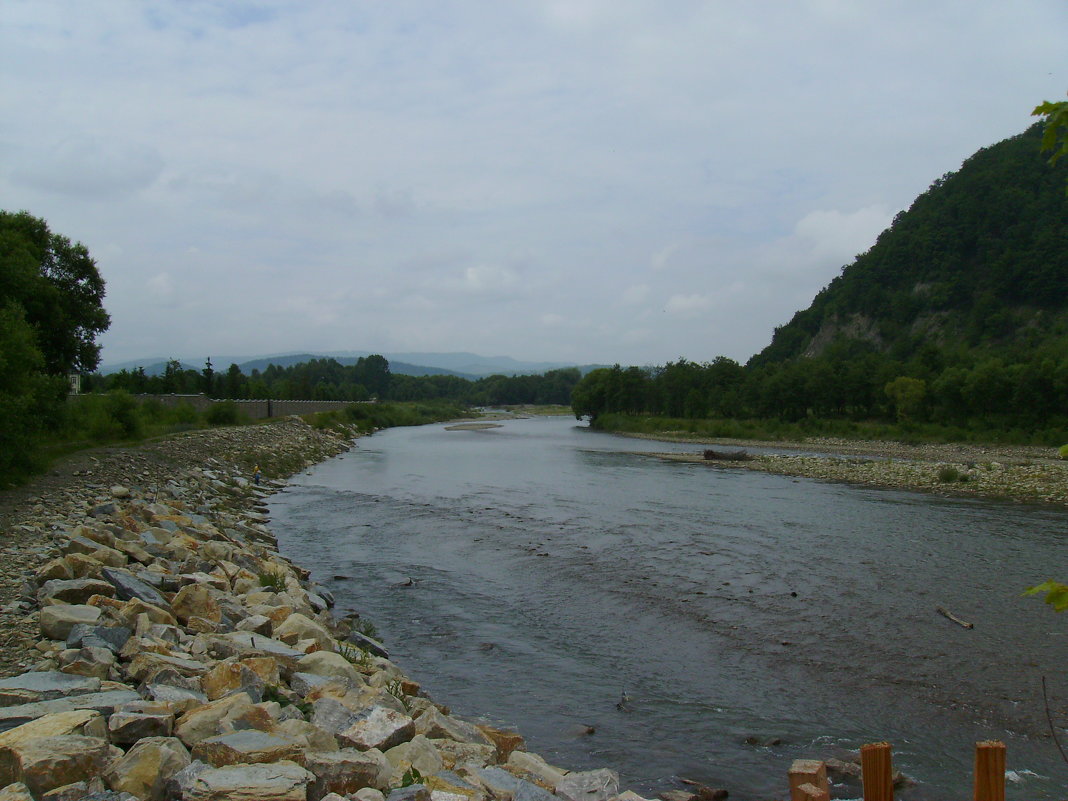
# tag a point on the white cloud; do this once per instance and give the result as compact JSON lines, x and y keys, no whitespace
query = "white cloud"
{"x":161,"y":286}
{"x":489,"y":279}
{"x":635,"y":295}
{"x":89,"y":167}
{"x":841,"y":236}
{"x":660,"y":260}
{"x":687,"y":305}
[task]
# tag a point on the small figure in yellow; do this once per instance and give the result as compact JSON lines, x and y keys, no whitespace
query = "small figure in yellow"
{"x":256,"y":474}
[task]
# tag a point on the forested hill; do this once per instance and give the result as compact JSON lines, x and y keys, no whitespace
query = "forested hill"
{"x":977,"y":265}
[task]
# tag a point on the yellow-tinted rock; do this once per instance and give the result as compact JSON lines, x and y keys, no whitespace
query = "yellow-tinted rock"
{"x":85,"y":722}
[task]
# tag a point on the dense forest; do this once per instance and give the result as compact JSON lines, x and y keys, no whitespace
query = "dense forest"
{"x":327,"y":379}
{"x":957,"y":317}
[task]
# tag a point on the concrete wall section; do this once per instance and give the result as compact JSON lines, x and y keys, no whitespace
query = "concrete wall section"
{"x":254,"y":408}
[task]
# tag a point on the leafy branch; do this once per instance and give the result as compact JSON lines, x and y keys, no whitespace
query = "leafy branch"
{"x":1056,"y":594}
{"x":1056,"y":115}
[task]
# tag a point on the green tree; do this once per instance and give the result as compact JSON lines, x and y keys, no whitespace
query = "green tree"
{"x":1055,"y":133}
{"x":58,"y":288}
{"x":907,"y":395}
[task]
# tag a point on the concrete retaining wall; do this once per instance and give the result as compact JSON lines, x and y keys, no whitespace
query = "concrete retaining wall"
{"x":254,"y":408}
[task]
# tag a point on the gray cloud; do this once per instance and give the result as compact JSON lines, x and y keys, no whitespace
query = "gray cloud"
{"x":586,"y":180}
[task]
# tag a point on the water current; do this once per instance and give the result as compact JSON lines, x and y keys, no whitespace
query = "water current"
{"x":751,"y":619}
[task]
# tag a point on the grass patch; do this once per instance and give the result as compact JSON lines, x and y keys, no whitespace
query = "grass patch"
{"x":273,"y":580}
{"x":773,"y":430}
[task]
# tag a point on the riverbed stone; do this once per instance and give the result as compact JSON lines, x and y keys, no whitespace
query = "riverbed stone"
{"x":234,"y":676}
{"x":16,"y":791}
{"x":377,"y":727}
{"x":455,"y":754}
{"x":45,"y":763}
{"x":246,"y":747}
{"x":412,"y":792}
{"x":146,"y":768}
{"x":179,"y":699}
{"x":419,"y":752}
{"x":72,"y":591}
{"x":34,"y":686}
{"x":129,"y":726}
{"x":432,"y":723}
{"x":503,"y":784}
{"x":86,"y":722}
{"x":95,"y":662}
{"x":298,"y":627}
{"x":345,"y":771}
{"x":534,"y":765}
{"x":196,"y":600}
{"x":279,"y":781}
{"x":588,"y":785}
{"x":127,"y":586}
{"x":148,"y":663}
{"x":205,"y":721}
{"x":111,"y":637}
{"x":103,"y":702}
{"x":244,"y":643}
{"x":56,"y":622}
{"x":328,"y":663}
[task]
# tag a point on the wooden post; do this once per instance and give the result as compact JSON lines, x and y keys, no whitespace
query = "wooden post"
{"x":990,"y":771}
{"x":808,"y":781}
{"x":875,"y":763}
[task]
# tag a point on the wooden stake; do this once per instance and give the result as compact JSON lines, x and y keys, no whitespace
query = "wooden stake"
{"x":875,"y":763}
{"x":990,"y":771}
{"x":808,"y":773}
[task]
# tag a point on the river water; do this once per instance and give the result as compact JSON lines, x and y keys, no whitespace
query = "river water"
{"x":553,"y":567}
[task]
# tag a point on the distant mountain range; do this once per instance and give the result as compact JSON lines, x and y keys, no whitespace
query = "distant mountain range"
{"x":465,"y":365}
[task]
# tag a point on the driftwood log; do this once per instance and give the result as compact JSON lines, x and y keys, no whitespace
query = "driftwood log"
{"x":947,"y":614}
{"x":727,"y":456}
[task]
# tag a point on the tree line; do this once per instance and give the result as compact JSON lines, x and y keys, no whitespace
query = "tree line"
{"x":975,"y":396}
{"x":328,"y":379}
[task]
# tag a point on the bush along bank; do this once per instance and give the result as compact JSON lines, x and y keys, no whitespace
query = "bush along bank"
{"x":180,"y":656}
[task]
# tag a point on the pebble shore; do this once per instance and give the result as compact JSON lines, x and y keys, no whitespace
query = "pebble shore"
{"x":155,"y":645}
{"x":1021,"y":474}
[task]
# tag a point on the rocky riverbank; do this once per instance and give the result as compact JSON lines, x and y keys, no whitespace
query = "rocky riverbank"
{"x":1023,"y":474}
{"x":157,"y":646}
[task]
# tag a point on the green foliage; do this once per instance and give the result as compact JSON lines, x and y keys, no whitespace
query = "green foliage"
{"x":1056,"y":594}
{"x":1063,"y":451}
{"x":58,"y":287}
{"x":395,"y":688}
{"x":355,"y":655}
{"x":367,"y":629}
{"x":223,"y":413}
{"x":50,"y":315}
{"x":1056,"y":128}
{"x":907,"y":394}
{"x":978,"y":260}
{"x":950,"y":475}
{"x":411,"y":776}
{"x":273,"y":580}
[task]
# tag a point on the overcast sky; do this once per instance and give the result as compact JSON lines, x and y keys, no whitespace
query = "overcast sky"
{"x":571,"y":180}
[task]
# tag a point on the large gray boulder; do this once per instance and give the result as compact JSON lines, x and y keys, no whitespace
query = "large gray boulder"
{"x":44,"y":685}
{"x":280,"y":781}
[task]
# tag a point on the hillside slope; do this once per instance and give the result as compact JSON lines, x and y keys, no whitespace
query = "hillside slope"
{"x":978,"y":264}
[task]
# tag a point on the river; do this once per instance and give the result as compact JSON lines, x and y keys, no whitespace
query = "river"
{"x":750,"y":618}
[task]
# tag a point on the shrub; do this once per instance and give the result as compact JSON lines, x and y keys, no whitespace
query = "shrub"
{"x":275,"y":580}
{"x":222,"y":413}
{"x":1063,"y":451}
{"x":950,"y":474}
